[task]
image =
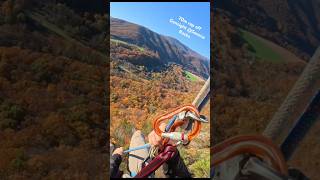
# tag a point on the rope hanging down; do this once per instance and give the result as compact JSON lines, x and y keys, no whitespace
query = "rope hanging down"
{"x":308,"y":78}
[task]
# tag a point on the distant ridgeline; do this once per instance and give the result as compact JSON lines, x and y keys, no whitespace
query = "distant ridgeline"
{"x":142,"y":46}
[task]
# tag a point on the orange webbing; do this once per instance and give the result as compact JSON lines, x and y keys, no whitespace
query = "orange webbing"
{"x":195,"y":130}
{"x":259,"y":146}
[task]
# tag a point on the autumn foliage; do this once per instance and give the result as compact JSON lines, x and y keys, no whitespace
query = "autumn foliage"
{"x":51,"y":88}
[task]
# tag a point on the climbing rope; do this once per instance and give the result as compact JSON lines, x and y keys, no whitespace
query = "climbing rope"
{"x":301,"y":127}
{"x":307,"y":79}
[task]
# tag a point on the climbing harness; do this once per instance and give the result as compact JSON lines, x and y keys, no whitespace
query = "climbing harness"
{"x":168,"y":153}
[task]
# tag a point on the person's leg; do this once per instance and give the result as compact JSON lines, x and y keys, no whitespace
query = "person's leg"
{"x":126,"y":176}
{"x":137,"y":157}
{"x":111,"y":149}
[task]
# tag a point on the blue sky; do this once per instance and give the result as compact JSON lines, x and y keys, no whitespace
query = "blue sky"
{"x":156,"y":16}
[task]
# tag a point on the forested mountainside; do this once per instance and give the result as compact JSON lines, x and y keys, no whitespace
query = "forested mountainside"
{"x":52,"y":89}
{"x":139,"y":45}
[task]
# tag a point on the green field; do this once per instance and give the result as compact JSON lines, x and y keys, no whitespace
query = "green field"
{"x":259,"y":48}
{"x":122,"y":42}
{"x":190,"y":76}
